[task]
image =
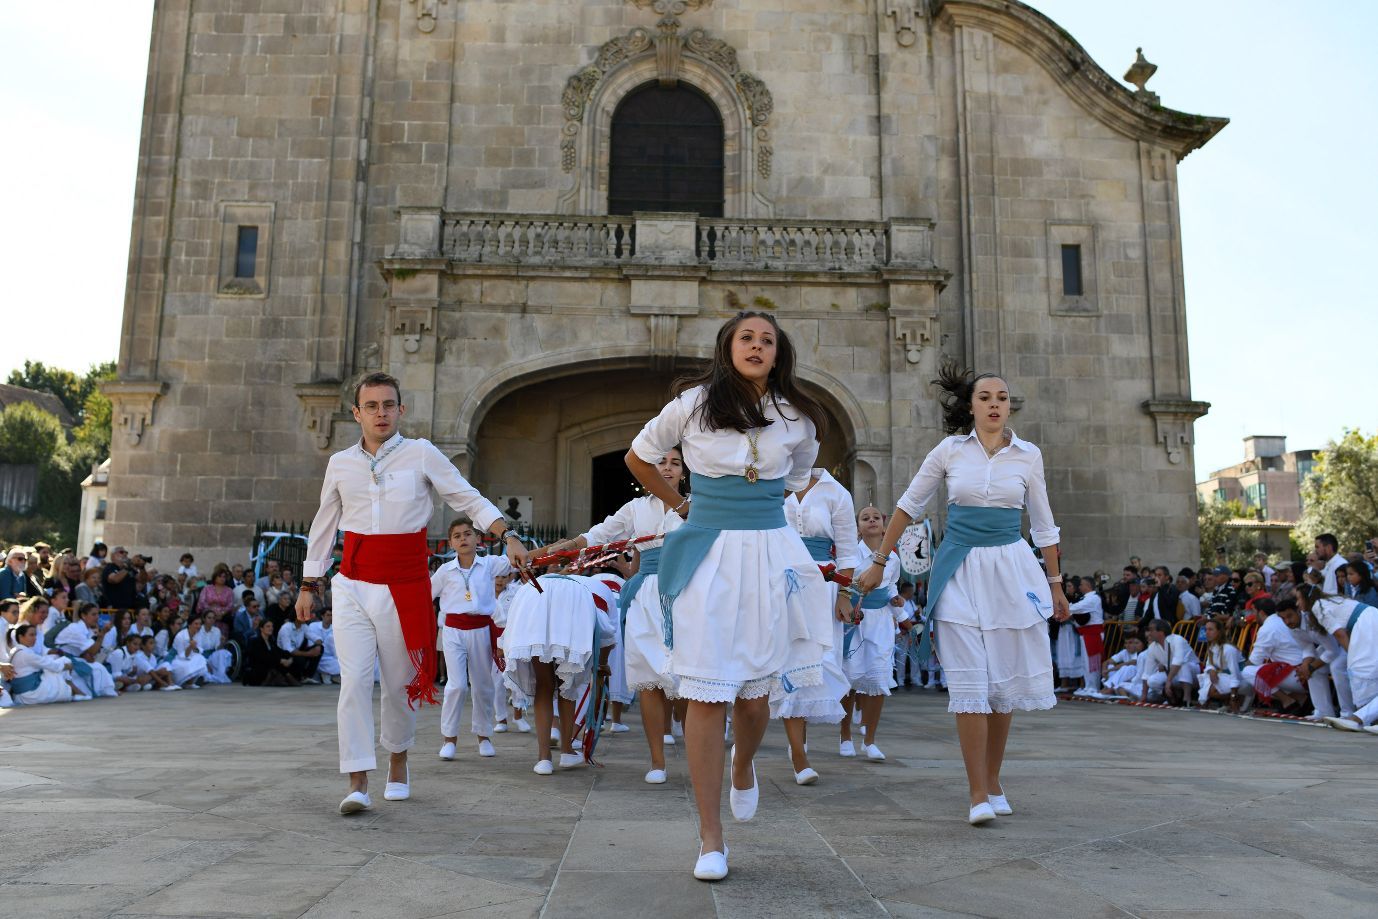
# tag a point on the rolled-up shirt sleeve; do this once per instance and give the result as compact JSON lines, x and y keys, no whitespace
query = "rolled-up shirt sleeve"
{"x":620,"y":525}
{"x":802,"y":457}
{"x":320,"y":544}
{"x":664,"y":431}
{"x":925,"y":482}
{"x":456,"y":491}
{"x":844,"y":527}
{"x":1045,"y":533}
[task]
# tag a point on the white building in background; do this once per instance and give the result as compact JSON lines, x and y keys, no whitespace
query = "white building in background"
{"x":93,"y":492}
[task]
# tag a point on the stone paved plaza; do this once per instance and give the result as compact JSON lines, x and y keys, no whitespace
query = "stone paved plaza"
{"x":222,"y":803}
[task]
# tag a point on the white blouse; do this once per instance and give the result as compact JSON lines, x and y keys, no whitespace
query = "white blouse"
{"x":447,"y":585}
{"x":393,"y":498}
{"x":1011,"y":478}
{"x":1275,"y":642}
{"x":1090,"y":604}
{"x":644,"y":516}
{"x":182,"y":644}
{"x":827,"y":510}
{"x":27,"y":661}
{"x":1334,"y":613}
{"x":208,"y":639}
{"x":787,"y":447}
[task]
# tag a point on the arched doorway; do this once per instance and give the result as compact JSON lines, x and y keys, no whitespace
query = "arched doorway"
{"x":666,"y":152}
{"x":562,"y":441}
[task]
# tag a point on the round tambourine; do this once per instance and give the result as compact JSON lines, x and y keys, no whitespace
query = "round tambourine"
{"x":915,"y":548}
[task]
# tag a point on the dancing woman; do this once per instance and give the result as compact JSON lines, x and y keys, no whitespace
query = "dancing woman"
{"x":987,"y":596}
{"x":745,"y":606}
{"x":643,"y":651}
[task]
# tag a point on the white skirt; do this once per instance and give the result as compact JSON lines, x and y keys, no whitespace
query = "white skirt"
{"x":996,"y":670}
{"x":551,"y":627}
{"x":647,"y":659}
{"x":52,"y":688}
{"x":1071,"y":652}
{"x":187,"y":668}
{"x":997,"y":587}
{"x":871,"y":668}
{"x":754,"y":614}
{"x":820,"y":704}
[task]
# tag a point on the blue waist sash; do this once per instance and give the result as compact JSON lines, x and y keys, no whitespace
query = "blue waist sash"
{"x":650,"y":564}
{"x":1359,"y":610}
{"x":80,"y":667}
{"x":969,"y":528}
{"x":726,"y":503}
{"x":878,"y":598}
{"x":820,"y":548}
{"x":26,"y":683}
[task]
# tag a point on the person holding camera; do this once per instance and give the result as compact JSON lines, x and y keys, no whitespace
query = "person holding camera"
{"x":120,"y":581}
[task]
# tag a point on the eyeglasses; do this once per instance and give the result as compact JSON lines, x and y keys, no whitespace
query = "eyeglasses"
{"x":373,"y":408}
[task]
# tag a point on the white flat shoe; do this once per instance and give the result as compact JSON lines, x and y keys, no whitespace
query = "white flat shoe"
{"x":1372,"y":728}
{"x":677,"y":729}
{"x":544,"y":767}
{"x":80,"y":697}
{"x":576,"y":744}
{"x":873,"y":753}
{"x":807,"y":777}
{"x":668,"y":740}
{"x":354,"y":802}
{"x":1001,"y":805}
{"x":656,"y":777}
{"x":711,"y":866}
{"x":618,"y":728}
{"x":554,"y":735}
{"x":981,"y":813}
{"x":571,"y":761}
{"x":523,"y":725}
{"x":398,"y":791}
{"x":1343,"y":724}
{"x":485,"y":748}
{"x":743,"y":803}
{"x":172,"y":688}
{"x":500,"y":727}
{"x":846,"y":748}
{"x":447,"y":751}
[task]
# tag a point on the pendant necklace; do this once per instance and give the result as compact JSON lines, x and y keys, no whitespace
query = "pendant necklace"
{"x":466,"y":575}
{"x":753,"y":475}
{"x":373,"y":461}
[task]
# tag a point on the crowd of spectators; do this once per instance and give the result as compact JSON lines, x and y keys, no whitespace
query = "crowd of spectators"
{"x":110,"y":623}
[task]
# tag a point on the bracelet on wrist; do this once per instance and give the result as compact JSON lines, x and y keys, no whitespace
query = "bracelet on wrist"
{"x":1054,"y":579}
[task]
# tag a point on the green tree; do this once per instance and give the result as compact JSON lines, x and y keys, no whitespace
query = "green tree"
{"x":1341,"y":495}
{"x":29,"y":435}
{"x":74,"y":390}
{"x":1240,"y":544}
{"x":97,"y":413}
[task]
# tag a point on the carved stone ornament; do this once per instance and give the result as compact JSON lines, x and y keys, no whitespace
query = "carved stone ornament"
{"x":905,"y":16}
{"x":1173,"y":419}
{"x":669,"y":47}
{"x":412,"y":323}
{"x":319,"y":402}
{"x":913,"y":332}
{"x":131,"y":403}
{"x":427,"y":11}
{"x":671,"y":7}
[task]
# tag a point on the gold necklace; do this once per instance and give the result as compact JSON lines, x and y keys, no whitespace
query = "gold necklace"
{"x":753,"y":475}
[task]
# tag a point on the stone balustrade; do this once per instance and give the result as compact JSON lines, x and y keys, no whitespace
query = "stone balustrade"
{"x":755,"y":245}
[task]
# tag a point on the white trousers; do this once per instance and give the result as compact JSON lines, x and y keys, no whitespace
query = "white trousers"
{"x":468,"y":665}
{"x":368,"y":634}
{"x":1319,"y":687}
{"x":217,"y":666}
{"x":1365,"y":698}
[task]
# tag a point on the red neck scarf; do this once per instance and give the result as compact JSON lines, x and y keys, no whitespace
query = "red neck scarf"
{"x":398,"y":560}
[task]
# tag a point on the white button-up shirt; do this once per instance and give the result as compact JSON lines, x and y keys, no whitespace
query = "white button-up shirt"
{"x":1275,"y":642}
{"x":393,"y":498}
{"x":447,"y":585}
{"x":827,"y":510}
{"x":1013,"y":477}
{"x":74,"y":639}
{"x":787,"y":447}
{"x":644,"y":516}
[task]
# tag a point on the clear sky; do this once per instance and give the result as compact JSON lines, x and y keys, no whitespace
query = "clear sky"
{"x":1277,"y":212}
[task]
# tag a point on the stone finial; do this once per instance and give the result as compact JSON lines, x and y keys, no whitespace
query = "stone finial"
{"x":1139,"y":73}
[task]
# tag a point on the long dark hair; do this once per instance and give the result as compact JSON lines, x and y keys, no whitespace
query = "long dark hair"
{"x":730,"y":401}
{"x":957,"y":387}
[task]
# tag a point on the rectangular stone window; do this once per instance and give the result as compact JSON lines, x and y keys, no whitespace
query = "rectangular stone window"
{"x":1071,"y":271}
{"x":246,"y":252}
{"x":245,"y":247}
{"x":1072,"y":285}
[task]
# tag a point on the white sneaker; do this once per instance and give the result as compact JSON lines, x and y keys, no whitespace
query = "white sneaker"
{"x":171,"y":687}
{"x":619,"y":728}
{"x":711,"y":866}
{"x":1344,"y":724}
{"x":656,"y":777}
{"x":80,"y":697}
{"x":447,"y":751}
{"x":1371,"y":728}
{"x":571,"y":761}
{"x":846,"y":748}
{"x":576,"y":744}
{"x":807,"y":777}
{"x":398,"y":791}
{"x":744,"y":803}
{"x":981,"y":813}
{"x":668,"y":740}
{"x":544,"y":767}
{"x":354,"y":802}
{"x":1000,"y":804}
{"x":485,"y":748}
{"x":873,"y":753}
{"x":500,"y":727}
{"x":523,"y":725}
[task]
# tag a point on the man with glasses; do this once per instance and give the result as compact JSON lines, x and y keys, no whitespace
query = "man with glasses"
{"x":119,"y":581}
{"x":1225,"y":597}
{"x":14,"y":579}
{"x":379,"y":492}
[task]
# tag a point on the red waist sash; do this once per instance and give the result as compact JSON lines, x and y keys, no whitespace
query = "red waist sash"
{"x":1094,"y":637}
{"x":398,"y":560}
{"x":1270,"y":676}
{"x":468,"y":622}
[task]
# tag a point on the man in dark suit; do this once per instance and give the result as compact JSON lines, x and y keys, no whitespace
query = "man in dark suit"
{"x":1165,"y":600}
{"x":14,"y":582}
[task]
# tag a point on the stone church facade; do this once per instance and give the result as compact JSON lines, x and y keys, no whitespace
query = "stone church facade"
{"x":537,"y":213}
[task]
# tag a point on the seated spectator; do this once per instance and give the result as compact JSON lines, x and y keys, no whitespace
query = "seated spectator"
{"x":217,"y":596}
{"x":1122,"y":669}
{"x":1285,"y":581}
{"x":14,"y":578}
{"x":1274,"y":658}
{"x":1222,"y":680}
{"x":1188,"y":602}
{"x":80,"y":641}
{"x":208,"y":640}
{"x":41,"y":678}
{"x":281,"y":611}
{"x":99,"y":553}
{"x":1148,"y":590}
{"x":1170,"y":667}
{"x":124,"y":667}
{"x":88,"y":591}
{"x":1359,"y":584}
{"x":38,"y":613}
{"x":306,"y":656}
{"x":246,"y":619}
{"x":1254,"y":591}
{"x":1224,"y":592}
{"x":114,"y":637}
{"x":186,"y":566}
{"x":66,"y":575}
{"x":188,"y":664}
{"x":264,"y":663}
{"x":147,"y":663}
{"x":330,"y":664}
{"x":119,"y":583}
{"x":274,"y":590}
